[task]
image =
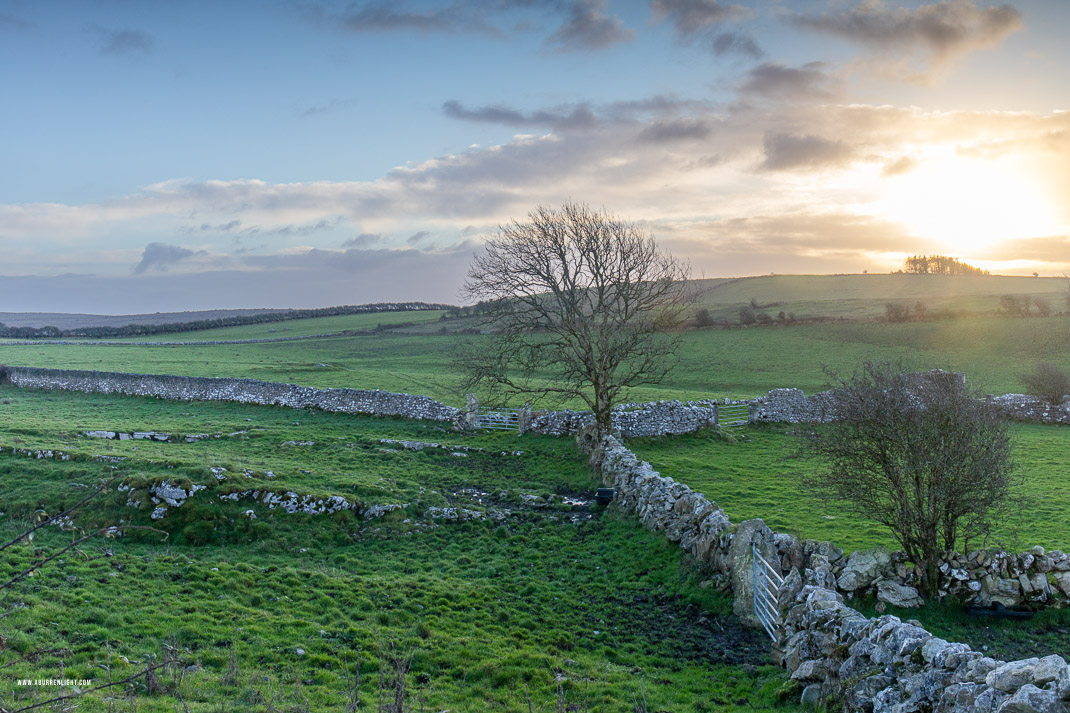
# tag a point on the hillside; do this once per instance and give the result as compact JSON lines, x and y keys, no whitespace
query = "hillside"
{"x":865,"y":296}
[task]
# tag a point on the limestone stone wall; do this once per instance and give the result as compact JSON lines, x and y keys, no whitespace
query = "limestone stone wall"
{"x":250,"y":391}
{"x":880,"y":665}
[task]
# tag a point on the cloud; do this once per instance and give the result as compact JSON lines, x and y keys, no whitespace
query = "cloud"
{"x":691,"y":16}
{"x":778,"y":81}
{"x":390,"y":17}
{"x":160,"y":256}
{"x":418,"y":237}
{"x":675,"y":130}
{"x":939,"y":32}
{"x":788,"y":152}
{"x":587,"y":27}
{"x":124,"y":42}
{"x":901,"y":165}
{"x":327,"y":108}
{"x":736,"y":43}
{"x":363,"y":240}
{"x":560,"y":118}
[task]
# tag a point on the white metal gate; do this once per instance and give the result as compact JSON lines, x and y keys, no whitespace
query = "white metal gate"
{"x":767,"y":582}
{"x":733,"y":415}
{"x":503,"y":419}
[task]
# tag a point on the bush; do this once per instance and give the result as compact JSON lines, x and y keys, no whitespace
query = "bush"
{"x":747,"y":314}
{"x":703,"y":318}
{"x":1048,"y":382}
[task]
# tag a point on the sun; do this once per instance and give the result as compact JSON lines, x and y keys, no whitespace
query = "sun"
{"x":966,"y":206}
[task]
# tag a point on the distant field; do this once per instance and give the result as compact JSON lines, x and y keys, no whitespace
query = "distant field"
{"x":63,"y":320}
{"x":298,"y":327}
{"x":993,"y":351}
{"x":865,"y":296}
{"x":759,"y":477}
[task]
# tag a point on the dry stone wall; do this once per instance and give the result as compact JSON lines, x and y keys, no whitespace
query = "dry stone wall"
{"x":881,"y":665}
{"x":248,"y":391}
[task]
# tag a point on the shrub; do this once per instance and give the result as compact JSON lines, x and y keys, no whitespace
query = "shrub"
{"x":1048,"y":382}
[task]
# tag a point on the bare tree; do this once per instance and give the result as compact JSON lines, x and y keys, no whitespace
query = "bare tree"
{"x":1048,"y":382}
{"x":919,"y":454}
{"x":583,"y":305}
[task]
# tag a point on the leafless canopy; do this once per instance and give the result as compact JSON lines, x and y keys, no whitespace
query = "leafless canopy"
{"x":581,"y":305}
{"x":919,"y":454}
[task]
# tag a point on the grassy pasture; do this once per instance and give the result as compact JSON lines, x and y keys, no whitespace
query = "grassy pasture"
{"x":592,"y":612}
{"x":758,"y":476}
{"x":993,"y":351}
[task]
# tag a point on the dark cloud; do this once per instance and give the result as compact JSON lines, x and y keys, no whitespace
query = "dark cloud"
{"x":587,"y":27}
{"x":901,"y":165}
{"x":943,"y":29}
{"x":124,"y":42}
{"x":565,"y":117}
{"x":690,"y":16}
{"x":675,"y":130}
{"x":363,"y":240}
{"x":736,"y":43}
{"x":418,"y":237}
{"x":559,"y":118}
{"x":788,"y":152}
{"x":160,"y":256}
{"x":775,"y":80}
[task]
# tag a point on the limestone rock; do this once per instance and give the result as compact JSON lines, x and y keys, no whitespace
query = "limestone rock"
{"x":1030,"y":699}
{"x":898,"y":595}
{"x":863,"y":568}
{"x":1011,"y":676}
{"x":1050,"y":668}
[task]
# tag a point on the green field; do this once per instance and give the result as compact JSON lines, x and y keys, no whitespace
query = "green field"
{"x":542,"y":606}
{"x":552,"y":603}
{"x":993,"y":351}
{"x":756,"y":472}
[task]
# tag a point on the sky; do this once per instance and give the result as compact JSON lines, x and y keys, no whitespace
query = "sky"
{"x":166,"y":155}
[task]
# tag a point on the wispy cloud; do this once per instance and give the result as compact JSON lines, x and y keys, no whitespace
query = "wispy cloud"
{"x":124,"y":41}
{"x":691,"y":16}
{"x":12,"y":23}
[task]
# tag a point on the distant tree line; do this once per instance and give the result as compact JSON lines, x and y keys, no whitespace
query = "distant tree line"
{"x":140,"y":330}
{"x":940,"y":265}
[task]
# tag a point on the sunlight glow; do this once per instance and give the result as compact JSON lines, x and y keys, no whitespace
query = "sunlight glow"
{"x":967,"y":205}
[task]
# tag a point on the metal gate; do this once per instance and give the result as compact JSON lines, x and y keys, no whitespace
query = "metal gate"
{"x":733,"y":414}
{"x":767,"y":582}
{"x":503,"y":419}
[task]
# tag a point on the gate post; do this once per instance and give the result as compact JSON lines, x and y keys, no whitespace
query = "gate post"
{"x":471,"y":408}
